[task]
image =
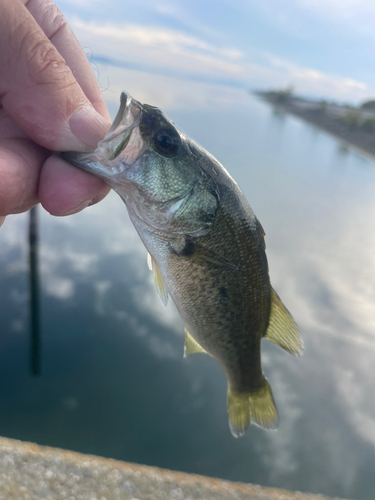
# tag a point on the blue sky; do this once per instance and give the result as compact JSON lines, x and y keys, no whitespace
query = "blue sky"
{"x":324,"y":48}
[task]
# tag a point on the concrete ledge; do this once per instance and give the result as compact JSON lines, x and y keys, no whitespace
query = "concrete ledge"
{"x":32,"y":472}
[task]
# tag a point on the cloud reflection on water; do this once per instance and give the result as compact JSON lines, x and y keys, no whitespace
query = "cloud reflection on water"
{"x":113,"y":348}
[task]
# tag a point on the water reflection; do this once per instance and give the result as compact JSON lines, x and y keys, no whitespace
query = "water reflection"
{"x":35,"y":341}
{"x":114,"y":381}
{"x":343,"y":150}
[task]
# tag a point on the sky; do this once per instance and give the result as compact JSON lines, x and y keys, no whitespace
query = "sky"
{"x":323,"y":48}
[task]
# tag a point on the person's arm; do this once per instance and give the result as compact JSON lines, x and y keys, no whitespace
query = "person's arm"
{"x":49,"y":101}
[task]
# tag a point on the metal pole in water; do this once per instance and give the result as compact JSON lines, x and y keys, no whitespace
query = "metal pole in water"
{"x":35,"y":359}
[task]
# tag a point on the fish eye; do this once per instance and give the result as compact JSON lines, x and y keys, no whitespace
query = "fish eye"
{"x":166,"y":142}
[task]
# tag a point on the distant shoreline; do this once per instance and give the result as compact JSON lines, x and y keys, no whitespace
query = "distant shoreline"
{"x":355,"y":137}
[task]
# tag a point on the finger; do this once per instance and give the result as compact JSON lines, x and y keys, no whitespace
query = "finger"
{"x":65,"y":190}
{"x":37,"y":88}
{"x":20,"y":161}
{"x":56,"y":28}
{"x":8,"y":129}
{"x":2,"y":219}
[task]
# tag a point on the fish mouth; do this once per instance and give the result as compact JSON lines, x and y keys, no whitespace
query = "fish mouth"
{"x":101,"y":162}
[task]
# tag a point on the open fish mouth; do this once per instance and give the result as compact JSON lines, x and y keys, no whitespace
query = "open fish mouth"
{"x":101,"y":162}
{"x":128,"y":117}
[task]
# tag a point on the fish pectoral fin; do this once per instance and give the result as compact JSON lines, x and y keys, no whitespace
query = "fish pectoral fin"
{"x":159,"y":282}
{"x":216,"y":259}
{"x":282,"y":329}
{"x":191,"y":345}
{"x":251,"y":407}
{"x":200,"y":255}
{"x":149,"y":261}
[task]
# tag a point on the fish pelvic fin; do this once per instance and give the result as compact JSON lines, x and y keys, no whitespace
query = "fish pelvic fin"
{"x":257,"y":408}
{"x":159,"y":282}
{"x":282,"y":329}
{"x":191,"y":345}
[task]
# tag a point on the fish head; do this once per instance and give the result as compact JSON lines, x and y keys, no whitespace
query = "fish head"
{"x":155,"y":168}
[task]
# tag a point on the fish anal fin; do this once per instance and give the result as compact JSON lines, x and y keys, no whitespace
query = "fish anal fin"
{"x":257,"y":408}
{"x":282,"y":329}
{"x":159,"y":282}
{"x":191,"y":345}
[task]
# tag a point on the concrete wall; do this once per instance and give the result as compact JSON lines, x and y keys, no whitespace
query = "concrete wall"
{"x":32,"y":472}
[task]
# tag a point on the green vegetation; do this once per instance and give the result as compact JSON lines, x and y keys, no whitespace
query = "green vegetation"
{"x":368,"y":105}
{"x":352,"y":118}
{"x":355,"y":118}
{"x":369,"y":125}
{"x":323,"y":106}
{"x":280,"y":96}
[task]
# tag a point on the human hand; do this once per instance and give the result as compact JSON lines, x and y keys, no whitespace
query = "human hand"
{"x":49,"y":101}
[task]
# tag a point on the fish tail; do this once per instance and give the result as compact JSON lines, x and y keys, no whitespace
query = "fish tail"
{"x":251,"y":407}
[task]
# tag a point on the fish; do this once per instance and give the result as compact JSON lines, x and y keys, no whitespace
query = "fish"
{"x":206,"y":249}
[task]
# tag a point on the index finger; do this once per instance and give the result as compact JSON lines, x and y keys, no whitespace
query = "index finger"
{"x":53,"y":23}
{"x":38,"y":89}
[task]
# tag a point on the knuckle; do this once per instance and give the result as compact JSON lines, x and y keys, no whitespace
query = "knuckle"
{"x":47,"y":14}
{"x":45,"y":64}
{"x":51,"y":19}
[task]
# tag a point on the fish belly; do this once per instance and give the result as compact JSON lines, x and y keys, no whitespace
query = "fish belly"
{"x":225,"y":310}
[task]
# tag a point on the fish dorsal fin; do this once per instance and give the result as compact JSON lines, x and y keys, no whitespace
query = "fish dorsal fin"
{"x":191,"y":345}
{"x":282,"y":329}
{"x":160,"y":286}
{"x":262,"y":234}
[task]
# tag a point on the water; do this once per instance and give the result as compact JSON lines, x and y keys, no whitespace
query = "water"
{"x":113,"y":379}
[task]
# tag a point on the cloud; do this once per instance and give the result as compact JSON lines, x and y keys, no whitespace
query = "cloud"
{"x":184,"y":15}
{"x":309,"y":80}
{"x":166,"y":39}
{"x":175,"y":93}
{"x":354,"y":393}
{"x":164,"y":53}
{"x":166,"y":92}
{"x":60,"y":288}
{"x":154,"y":47}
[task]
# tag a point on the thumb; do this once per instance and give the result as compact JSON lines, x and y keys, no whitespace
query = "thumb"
{"x":37,"y":88}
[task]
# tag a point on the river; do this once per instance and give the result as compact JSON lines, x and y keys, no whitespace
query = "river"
{"x":113,"y":380}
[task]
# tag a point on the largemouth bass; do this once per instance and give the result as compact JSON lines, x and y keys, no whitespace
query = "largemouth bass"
{"x":206,"y":250}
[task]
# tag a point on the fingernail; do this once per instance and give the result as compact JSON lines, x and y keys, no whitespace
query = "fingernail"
{"x":89,"y":127}
{"x":77,"y":208}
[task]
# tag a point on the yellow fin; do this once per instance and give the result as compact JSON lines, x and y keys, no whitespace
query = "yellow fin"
{"x":282,"y":329}
{"x":252,"y":407}
{"x":160,"y":287}
{"x":191,"y":345}
{"x":149,"y":261}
